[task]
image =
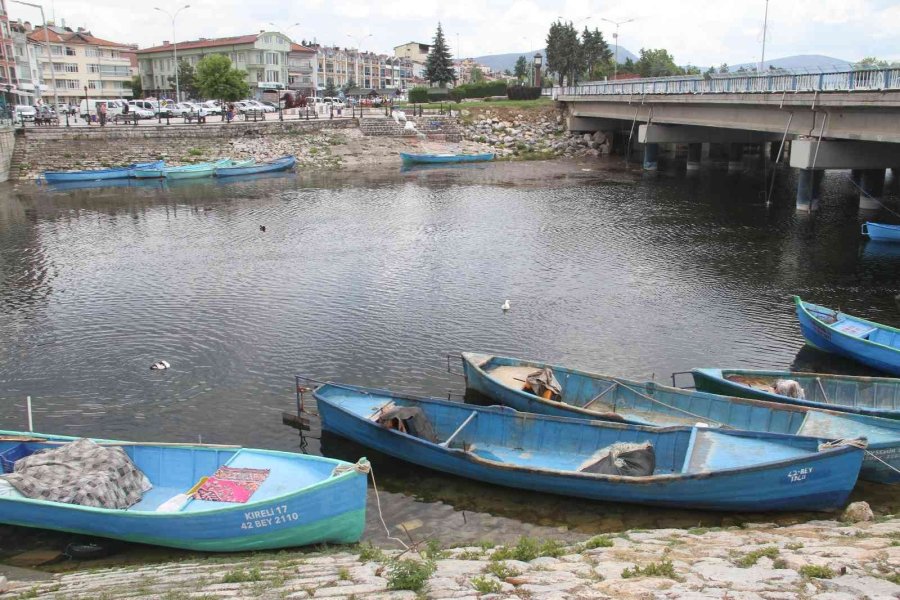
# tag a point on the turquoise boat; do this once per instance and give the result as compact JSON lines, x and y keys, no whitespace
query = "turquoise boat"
{"x":686,"y":467}
{"x":592,"y":396}
{"x":866,"y":342}
{"x":428,"y":159}
{"x":279,"y":164}
{"x":876,"y":396}
{"x":304,"y":499}
{"x":196,"y":171}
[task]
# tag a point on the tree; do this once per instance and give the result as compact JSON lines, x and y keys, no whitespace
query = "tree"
{"x":657,"y":63}
{"x":476,"y":75}
{"x":627,"y":67}
{"x":330,"y":90}
{"x":186,"y":77}
{"x":565,"y":54}
{"x":595,"y":52}
{"x":439,"y":65}
{"x":217,"y":78}
{"x":349,"y":85}
{"x":871,"y":62}
{"x":723,"y":68}
{"x":521,"y":68}
{"x":137,"y":87}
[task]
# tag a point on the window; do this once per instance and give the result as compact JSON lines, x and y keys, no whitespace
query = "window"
{"x":70,"y":51}
{"x":93,"y":68}
{"x":91,"y":52}
{"x":94,"y":84}
{"x":273,"y":76}
{"x":56,"y":50}
{"x":69,"y":68}
{"x":272,"y":58}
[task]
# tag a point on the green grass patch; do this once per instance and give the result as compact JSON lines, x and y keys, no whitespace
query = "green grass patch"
{"x":500,"y":570}
{"x":409,"y":575}
{"x":344,"y":574}
{"x":470,"y":555}
{"x":242,"y":575}
{"x":370,"y":553}
{"x":698,"y":530}
{"x":532,"y":155}
{"x":815,"y":572}
{"x":598,"y":541}
{"x":793,"y":546}
{"x":527,"y":549}
{"x":434,"y":551}
{"x":749,"y":559}
{"x":195,"y":152}
{"x":893,"y":577}
{"x":663,"y":568}
{"x":486,"y":585}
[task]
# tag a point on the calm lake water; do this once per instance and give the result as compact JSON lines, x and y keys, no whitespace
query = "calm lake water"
{"x":373,"y":278}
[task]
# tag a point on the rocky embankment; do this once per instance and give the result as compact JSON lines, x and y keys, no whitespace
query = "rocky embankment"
{"x":816,"y":560}
{"x":531,"y":134}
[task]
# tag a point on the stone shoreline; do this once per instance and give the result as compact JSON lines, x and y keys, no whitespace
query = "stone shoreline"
{"x":817,"y":560}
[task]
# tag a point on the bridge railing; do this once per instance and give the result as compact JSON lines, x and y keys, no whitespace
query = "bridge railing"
{"x":838,"y":81}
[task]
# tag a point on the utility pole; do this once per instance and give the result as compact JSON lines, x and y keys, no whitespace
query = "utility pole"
{"x":616,"y":37}
{"x":47,"y":50}
{"x":174,"y":46}
{"x":762,"y":60}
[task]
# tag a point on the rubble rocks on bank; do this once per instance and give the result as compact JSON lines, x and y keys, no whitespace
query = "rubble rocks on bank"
{"x":817,"y":560}
{"x":532,"y":134}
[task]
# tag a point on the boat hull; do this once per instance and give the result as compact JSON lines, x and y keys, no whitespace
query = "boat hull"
{"x":332,"y":511}
{"x":819,"y":335}
{"x":657,"y":405}
{"x":881,"y":232}
{"x":98,"y":174}
{"x":282,"y":164}
{"x":768,"y":487}
{"x":429,"y":159}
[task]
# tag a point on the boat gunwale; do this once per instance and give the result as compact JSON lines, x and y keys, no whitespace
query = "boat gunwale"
{"x":802,"y":304}
{"x":326,"y":482}
{"x":629,"y":479}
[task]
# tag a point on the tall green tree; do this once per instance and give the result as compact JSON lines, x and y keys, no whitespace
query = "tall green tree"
{"x":565,"y":54}
{"x":186,"y":79}
{"x":137,"y":87}
{"x":521,"y":68}
{"x":476,"y":76}
{"x":872,"y":62}
{"x":595,"y":53}
{"x":439,"y":64}
{"x":330,"y":89}
{"x":657,"y":63}
{"x":217,"y":79}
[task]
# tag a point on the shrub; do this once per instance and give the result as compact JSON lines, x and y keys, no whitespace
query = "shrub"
{"x":528,"y":549}
{"x":457,"y":95}
{"x":660,"y":569}
{"x":486,"y":585}
{"x":409,"y":575}
{"x":599,"y":541}
{"x":749,"y":559}
{"x":418,"y":95}
{"x":816,"y":572}
{"x":500,"y":570}
{"x":482,"y":90}
{"x":241,"y":576}
{"x":521,"y":92}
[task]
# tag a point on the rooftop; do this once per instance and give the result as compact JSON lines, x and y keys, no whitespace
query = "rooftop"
{"x":60,"y":35}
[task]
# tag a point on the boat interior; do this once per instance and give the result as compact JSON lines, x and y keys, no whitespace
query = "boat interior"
{"x":175,"y":470}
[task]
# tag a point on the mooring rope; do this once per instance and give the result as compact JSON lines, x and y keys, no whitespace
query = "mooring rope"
{"x":871,"y":197}
{"x":651,"y":399}
{"x":365,"y":467}
{"x":858,"y":443}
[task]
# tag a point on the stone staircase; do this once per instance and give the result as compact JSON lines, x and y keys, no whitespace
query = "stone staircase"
{"x":19,"y":155}
{"x":384,"y":127}
{"x":435,"y":127}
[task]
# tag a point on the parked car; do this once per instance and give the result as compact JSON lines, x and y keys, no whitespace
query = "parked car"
{"x":212,"y":107}
{"x":89,"y":107}
{"x":25,"y":112}
{"x":143,"y":107}
{"x":260,"y":106}
{"x":184,"y":108}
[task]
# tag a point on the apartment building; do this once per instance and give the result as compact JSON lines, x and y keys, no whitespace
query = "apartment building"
{"x":301,"y":70}
{"x":265,"y":56}
{"x":8,"y":76}
{"x":366,"y":70}
{"x":82,"y":64}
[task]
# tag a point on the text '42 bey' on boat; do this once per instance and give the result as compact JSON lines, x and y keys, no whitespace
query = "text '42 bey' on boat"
{"x":191,"y":496}
{"x":869,"y":343}
{"x":519,"y":384}
{"x":688,"y":467}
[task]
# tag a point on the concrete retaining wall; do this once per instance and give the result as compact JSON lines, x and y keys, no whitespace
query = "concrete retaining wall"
{"x":89,"y":148}
{"x":7,"y":144}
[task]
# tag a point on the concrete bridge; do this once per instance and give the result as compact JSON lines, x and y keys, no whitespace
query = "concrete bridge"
{"x":839,"y":120}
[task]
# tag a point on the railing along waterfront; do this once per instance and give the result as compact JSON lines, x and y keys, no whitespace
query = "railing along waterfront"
{"x":838,"y":81}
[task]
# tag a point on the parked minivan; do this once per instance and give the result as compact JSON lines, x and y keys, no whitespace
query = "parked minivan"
{"x":89,"y":107}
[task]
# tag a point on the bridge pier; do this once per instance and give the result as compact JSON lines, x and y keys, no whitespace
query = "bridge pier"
{"x":871,"y":189}
{"x":695,"y":154}
{"x":651,"y":157}
{"x":735,"y":157}
{"x":809,"y":184}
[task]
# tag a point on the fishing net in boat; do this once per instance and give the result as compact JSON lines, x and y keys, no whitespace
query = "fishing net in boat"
{"x":789,"y":388}
{"x":408,"y":419}
{"x":623,"y":458}
{"x":81,"y":472}
{"x":544,"y":384}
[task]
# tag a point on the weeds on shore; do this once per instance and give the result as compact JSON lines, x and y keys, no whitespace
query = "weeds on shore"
{"x":241,"y":576}
{"x":815,"y":572}
{"x":486,"y":585}
{"x":370,"y":553}
{"x":749,"y":559}
{"x":409,"y":574}
{"x":598,"y":541}
{"x":527,"y":549}
{"x":664,"y":568}
{"x":500,"y":570}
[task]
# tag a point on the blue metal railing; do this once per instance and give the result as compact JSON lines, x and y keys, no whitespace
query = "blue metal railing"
{"x":837,"y":81}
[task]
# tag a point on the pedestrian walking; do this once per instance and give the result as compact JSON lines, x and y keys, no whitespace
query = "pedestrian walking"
{"x":101,"y":112}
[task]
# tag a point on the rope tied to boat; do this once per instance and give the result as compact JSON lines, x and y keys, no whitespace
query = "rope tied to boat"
{"x":675,"y":408}
{"x":364,"y":467}
{"x":855,"y":442}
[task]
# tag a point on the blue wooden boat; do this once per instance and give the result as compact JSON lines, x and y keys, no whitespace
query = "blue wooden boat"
{"x":279,"y":164}
{"x":426,"y":159}
{"x":877,"y":396}
{"x":869,"y":343}
{"x":694,"y":467}
{"x":301,"y":501}
{"x":592,"y":396}
{"x":194,"y":171}
{"x":881,"y":232}
{"x":98,"y":174}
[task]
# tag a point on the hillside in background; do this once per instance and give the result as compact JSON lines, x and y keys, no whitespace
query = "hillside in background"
{"x":802,"y":62}
{"x":501,"y":62}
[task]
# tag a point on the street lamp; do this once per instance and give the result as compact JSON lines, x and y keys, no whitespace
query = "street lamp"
{"x":46,"y":48}
{"x":358,"y":40}
{"x":538,"y":61}
{"x":174,"y":45}
{"x":616,"y":37}
{"x":762,"y":61}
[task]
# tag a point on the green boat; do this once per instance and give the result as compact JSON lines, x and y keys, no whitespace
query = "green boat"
{"x":196,"y":171}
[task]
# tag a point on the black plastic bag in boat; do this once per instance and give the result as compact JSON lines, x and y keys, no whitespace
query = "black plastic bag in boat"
{"x":408,"y":419}
{"x":632,"y":460}
{"x":543,"y":380}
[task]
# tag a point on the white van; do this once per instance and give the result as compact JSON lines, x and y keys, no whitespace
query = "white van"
{"x":89,"y":107}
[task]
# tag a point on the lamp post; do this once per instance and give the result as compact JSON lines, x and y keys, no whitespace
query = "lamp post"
{"x":174,"y":45}
{"x":46,"y":48}
{"x":762,"y":60}
{"x":358,"y":40}
{"x":616,"y":37}
{"x":538,"y":61}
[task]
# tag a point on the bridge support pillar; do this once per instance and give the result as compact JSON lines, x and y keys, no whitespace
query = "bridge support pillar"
{"x":809,"y":183}
{"x":735,"y":157}
{"x":774,"y":147}
{"x":695,"y":153}
{"x":856,"y":176}
{"x":871,"y":189}
{"x":651,"y":157}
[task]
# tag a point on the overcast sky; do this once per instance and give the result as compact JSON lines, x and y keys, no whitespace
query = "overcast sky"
{"x":699,"y":32}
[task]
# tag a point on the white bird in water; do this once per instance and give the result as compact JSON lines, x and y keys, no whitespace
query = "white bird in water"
{"x":160,"y":365}
{"x":505,"y":306}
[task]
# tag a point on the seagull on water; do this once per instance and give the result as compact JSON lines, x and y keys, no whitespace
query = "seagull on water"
{"x":160,"y":365}
{"x":505,"y":306}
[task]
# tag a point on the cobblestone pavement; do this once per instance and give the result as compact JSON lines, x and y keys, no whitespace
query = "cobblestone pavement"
{"x":817,"y":560}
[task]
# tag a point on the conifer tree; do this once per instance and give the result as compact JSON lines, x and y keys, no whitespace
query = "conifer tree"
{"x":439,"y":65}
